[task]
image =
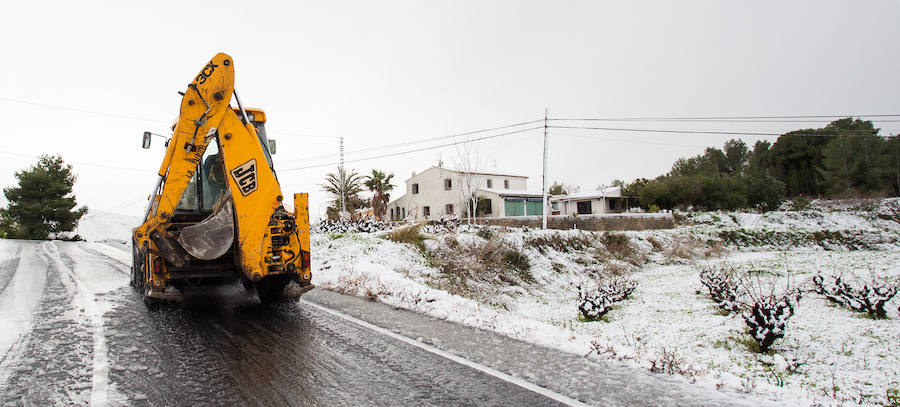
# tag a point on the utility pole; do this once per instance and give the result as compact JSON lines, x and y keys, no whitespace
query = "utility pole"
{"x":343,"y":179}
{"x":546,"y":133}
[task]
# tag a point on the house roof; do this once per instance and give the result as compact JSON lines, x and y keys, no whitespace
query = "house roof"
{"x":512,"y":192}
{"x":609,"y":192}
{"x":486,"y":173}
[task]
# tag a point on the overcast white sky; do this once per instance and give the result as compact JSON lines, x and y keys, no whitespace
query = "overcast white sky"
{"x":382,"y":73}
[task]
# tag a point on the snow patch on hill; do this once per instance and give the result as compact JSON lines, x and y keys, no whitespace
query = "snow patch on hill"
{"x":100,"y":226}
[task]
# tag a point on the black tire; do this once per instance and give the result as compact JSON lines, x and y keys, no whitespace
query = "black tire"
{"x":151,"y":303}
{"x":270,"y":289}
{"x":136,"y":265}
{"x":248,"y":285}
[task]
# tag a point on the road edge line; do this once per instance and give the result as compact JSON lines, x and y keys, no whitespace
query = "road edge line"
{"x":447,"y":355}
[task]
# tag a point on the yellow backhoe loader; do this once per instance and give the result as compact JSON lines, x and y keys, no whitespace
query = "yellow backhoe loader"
{"x":216,"y":213}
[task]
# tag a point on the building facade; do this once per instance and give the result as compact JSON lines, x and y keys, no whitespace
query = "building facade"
{"x":590,"y":202}
{"x":440,"y":192}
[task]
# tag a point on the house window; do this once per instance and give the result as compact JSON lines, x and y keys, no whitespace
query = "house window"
{"x":485,"y":206}
{"x":612,"y":204}
{"x":555,"y":206}
{"x":392,"y":213}
{"x":426,"y":210}
{"x":403,"y":213}
{"x":448,"y":184}
{"x":506,"y":184}
{"x":448,"y":209}
{"x":584,"y":208}
{"x":415,"y":188}
{"x":490,"y":183}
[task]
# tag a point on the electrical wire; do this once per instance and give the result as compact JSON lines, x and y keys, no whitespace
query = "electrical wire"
{"x":717,"y":132}
{"x":596,"y":137}
{"x":112,"y":167}
{"x":72,"y":109}
{"x":415,"y":150}
{"x":409,"y":143}
{"x":714,"y":118}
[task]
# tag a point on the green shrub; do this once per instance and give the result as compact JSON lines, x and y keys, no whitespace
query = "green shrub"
{"x":409,"y":234}
{"x":799,"y":203}
{"x":485,"y":233}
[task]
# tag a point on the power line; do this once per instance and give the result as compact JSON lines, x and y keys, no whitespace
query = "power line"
{"x":730,"y":121}
{"x":112,"y":167}
{"x":713,"y":118}
{"x":715,"y":132}
{"x":416,"y":150}
{"x":408,"y":143}
{"x":127,"y":117}
{"x":596,"y":137}
{"x":72,"y":109}
{"x":279,"y":133}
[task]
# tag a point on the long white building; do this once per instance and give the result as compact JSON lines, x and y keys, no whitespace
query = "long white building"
{"x":438,"y":192}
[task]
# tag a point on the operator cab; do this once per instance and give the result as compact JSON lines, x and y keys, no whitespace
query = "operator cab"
{"x":202,"y":193}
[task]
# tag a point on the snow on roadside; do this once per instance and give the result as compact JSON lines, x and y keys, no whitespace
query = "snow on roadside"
{"x":19,"y":298}
{"x":372,"y":267}
{"x":669,"y":313}
{"x":101,"y":226}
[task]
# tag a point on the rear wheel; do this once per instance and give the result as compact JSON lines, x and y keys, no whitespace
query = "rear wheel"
{"x":139,"y":278}
{"x":271,"y":289}
{"x":136,"y":265}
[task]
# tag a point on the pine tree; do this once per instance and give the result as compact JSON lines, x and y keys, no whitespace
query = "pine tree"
{"x":42,"y":205}
{"x":838,"y":166}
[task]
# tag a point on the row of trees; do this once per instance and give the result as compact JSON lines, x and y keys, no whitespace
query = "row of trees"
{"x":846,"y":158}
{"x":346,"y":186}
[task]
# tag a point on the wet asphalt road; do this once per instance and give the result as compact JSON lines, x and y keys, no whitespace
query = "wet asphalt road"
{"x":222,"y":347}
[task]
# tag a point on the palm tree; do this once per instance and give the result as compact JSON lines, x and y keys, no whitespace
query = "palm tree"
{"x":379,"y":184}
{"x":343,"y":186}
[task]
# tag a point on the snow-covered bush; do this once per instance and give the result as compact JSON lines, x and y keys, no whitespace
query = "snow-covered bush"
{"x":767,"y":314}
{"x":559,"y":242}
{"x":869,"y":296}
{"x":444,"y":225}
{"x":476,"y":268}
{"x":594,"y":301}
{"x":722,"y":284}
{"x":670,"y":363}
{"x":351,"y":226}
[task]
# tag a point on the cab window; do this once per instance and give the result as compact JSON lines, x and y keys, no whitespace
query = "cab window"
{"x":213,"y":176}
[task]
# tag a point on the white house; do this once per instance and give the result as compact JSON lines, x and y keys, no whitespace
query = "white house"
{"x":593,"y":201}
{"x":438,"y":192}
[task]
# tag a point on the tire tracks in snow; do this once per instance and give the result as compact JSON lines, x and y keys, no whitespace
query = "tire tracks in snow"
{"x":8,"y":268}
{"x":47,"y":363}
{"x":106,"y":256}
{"x":100,"y":363}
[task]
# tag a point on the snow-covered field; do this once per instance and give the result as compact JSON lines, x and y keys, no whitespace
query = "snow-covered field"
{"x":829,"y":355}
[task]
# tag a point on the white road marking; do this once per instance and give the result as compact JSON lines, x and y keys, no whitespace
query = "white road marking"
{"x":474,"y":365}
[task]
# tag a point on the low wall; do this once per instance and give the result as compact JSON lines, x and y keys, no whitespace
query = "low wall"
{"x":612,"y":221}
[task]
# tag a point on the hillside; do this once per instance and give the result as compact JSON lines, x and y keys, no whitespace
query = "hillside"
{"x":522,"y":283}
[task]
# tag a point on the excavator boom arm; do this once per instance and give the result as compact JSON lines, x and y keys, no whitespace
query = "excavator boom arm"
{"x":271,"y":245}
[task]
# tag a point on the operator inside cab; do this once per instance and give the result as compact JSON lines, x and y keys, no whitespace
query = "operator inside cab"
{"x":213,"y":180}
